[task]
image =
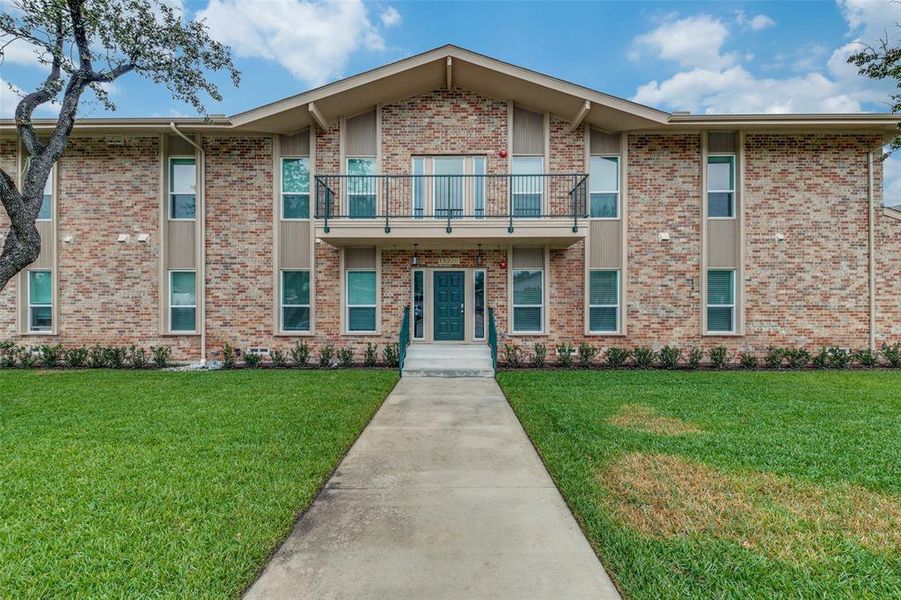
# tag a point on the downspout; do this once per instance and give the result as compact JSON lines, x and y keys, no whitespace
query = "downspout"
{"x":871,"y":241}
{"x":202,"y":267}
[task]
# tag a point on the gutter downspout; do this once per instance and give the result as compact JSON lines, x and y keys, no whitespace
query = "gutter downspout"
{"x":202,"y":212}
{"x":871,"y":244}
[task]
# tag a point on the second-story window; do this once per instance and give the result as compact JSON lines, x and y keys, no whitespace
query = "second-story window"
{"x":721,"y":186}
{"x":182,"y":188}
{"x":448,"y":186}
{"x":46,"y":212}
{"x":295,"y":188}
{"x":527,"y":186}
{"x":361,"y":187}
{"x":604,"y":187}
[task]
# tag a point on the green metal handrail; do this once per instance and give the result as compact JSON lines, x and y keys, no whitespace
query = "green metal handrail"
{"x":404,"y":340}
{"x":492,"y":338}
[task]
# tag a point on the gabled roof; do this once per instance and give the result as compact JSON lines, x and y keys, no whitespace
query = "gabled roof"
{"x":452,"y":66}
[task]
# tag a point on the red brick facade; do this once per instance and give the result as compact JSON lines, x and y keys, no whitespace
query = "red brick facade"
{"x":809,"y":290}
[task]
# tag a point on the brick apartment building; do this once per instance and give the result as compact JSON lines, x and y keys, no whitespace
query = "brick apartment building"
{"x":451,"y":182}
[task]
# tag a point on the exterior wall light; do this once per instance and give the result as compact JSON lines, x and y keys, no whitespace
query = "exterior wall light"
{"x":415,"y":260}
{"x":123,"y":238}
{"x":663,"y":236}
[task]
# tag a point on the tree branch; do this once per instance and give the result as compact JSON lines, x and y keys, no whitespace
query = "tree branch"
{"x":40,"y":96}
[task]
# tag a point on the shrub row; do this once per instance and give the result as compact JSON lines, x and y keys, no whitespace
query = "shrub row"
{"x":720,"y":357}
{"x":96,"y":357}
{"x":300,"y":356}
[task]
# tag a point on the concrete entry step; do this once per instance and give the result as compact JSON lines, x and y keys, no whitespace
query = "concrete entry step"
{"x":448,"y":360}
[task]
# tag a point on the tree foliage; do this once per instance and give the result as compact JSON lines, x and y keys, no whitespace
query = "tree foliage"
{"x":882,"y":62}
{"x":87,"y":44}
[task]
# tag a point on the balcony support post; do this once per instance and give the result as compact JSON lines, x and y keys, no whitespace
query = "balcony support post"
{"x":387,"y":204}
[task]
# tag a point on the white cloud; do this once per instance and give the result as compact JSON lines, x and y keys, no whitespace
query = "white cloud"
{"x":312,"y":39}
{"x":891,"y":174}
{"x":21,"y":53}
{"x":759,"y":22}
{"x":870,"y":20}
{"x":390,"y":17}
{"x":10,"y":94}
{"x":692,"y":42}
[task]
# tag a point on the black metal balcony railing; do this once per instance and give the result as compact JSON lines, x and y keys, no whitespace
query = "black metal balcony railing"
{"x":448,"y":198}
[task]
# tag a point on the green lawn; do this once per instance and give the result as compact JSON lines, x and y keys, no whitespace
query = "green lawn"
{"x":137,"y":484}
{"x":727,"y":484}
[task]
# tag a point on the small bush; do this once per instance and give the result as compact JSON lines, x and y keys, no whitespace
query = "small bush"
{"x":229,"y":357}
{"x":252,"y":361}
{"x":300,"y":354}
{"x":371,"y":355}
{"x":644,"y":357}
{"x":326,"y":354}
{"x":839,"y":358}
{"x":539,"y":355}
{"x":821,"y":359}
{"x":617,"y":357}
{"x":797,"y":359}
{"x":27,"y":358}
{"x":669,"y":357}
{"x":137,"y":357}
{"x":346,"y":357}
{"x":773,"y":357}
{"x":75,"y":357}
{"x":565,"y":355}
{"x":161,"y":355}
{"x":719,"y":357}
{"x":279,"y":358}
{"x":866,"y":358}
{"x":587,"y":352}
{"x":50,"y":356}
{"x":8,"y":353}
{"x":512,"y":356}
{"x":892,"y":355}
{"x":695,"y":356}
{"x":97,"y":357}
{"x":391,"y":355}
{"x":115,"y":357}
{"x":747,"y":360}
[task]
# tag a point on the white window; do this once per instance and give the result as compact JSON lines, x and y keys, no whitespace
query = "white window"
{"x":528,"y":300}
{"x":418,"y":305}
{"x":447,"y":186}
{"x":182,"y":301}
{"x":46,"y":212}
{"x":603,"y":301}
{"x":362,"y":184}
{"x":721,"y":186}
{"x":720,"y":301}
{"x":456,"y":186}
{"x":528,"y":186}
{"x":295,"y":300}
{"x":182,"y":188}
{"x":361,"y":300}
{"x":295,"y":188}
{"x":40,"y":301}
{"x":479,"y":308}
{"x":604,"y":187}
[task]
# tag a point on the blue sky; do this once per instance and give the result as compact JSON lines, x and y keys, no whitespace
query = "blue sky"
{"x":706,"y":57}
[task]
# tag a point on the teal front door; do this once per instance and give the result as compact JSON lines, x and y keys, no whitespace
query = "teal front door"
{"x":449,"y":299}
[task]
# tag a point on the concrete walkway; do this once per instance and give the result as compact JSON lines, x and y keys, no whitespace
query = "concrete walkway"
{"x":443,"y":496}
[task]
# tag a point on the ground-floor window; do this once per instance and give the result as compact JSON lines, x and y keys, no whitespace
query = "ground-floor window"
{"x":418,"y":305}
{"x":478,"y":290}
{"x":720,"y":301}
{"x":40,"y":301}
{"x":361,"y":300}
{"x":603,"y":301}
{"x":295,"y":310}
{"x":182,"y":300}
{"x":528,"y":300}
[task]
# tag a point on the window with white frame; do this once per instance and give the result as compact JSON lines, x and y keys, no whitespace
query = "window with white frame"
{"x":361,"y":187}
{"x":46,"y":212}
{"x":450,"y":183}
{"x":528,"y":300}
{"x":295,"y":297}
{"x":361,"y":300}
{"x":528,"y":186}
{"x":40,"y":301}
{"x":720,"y":301}
{"x":603,"y":184}
{"x":418,"y":304}
{"x":182,"y":188}
{"x":447,"y":186}
{"x":603,"y":301}
{"x":721,"y":186}
{"x":182,"y":301}
{"x":295,"y":188}
{"x":478,"y":304}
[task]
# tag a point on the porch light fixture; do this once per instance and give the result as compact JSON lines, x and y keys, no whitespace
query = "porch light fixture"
{"x":479,"y":257}
{"x":415,"y":260}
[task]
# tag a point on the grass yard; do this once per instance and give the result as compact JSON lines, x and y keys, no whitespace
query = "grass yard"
{"x":727,"y":484}
{"x":164,"y":484}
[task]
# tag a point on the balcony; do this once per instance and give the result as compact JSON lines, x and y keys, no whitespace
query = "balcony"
{"x":451,"y":210}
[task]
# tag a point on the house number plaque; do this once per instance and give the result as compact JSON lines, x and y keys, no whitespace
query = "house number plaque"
{"x":448,"y":261}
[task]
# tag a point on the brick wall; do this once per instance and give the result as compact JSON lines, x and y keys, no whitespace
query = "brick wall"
{"x":8,"y":163}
